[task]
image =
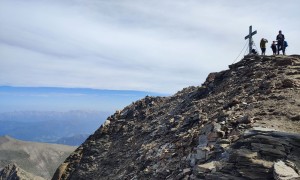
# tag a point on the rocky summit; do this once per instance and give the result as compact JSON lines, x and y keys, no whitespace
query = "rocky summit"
{"x":241,"y":123}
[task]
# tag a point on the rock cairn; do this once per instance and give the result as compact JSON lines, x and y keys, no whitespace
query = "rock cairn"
{"x":242,"y":123}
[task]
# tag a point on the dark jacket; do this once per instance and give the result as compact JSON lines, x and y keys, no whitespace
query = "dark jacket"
{"x":280,"y":37}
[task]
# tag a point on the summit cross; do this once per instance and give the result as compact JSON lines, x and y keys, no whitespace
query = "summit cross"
{"x":250,"y":38}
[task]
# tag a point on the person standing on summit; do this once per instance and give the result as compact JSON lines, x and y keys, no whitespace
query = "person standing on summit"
{"x":274,"y":49}
{"x":280,"y":40}
{"x":263,"y":43}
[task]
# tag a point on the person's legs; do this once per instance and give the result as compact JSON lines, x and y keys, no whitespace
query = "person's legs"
{"x":274,"y":51}
{"x":279,"y":46}
{"x":263,"y":51}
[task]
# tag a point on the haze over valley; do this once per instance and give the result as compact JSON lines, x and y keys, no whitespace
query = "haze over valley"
{"x":58,"y":115}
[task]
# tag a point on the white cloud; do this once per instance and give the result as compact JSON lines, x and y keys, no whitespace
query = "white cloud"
{"x":154,"y":45}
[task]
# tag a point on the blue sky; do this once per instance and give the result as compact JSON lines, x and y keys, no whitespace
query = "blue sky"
{"x":66,"y":99}
{"x":157,"y":46}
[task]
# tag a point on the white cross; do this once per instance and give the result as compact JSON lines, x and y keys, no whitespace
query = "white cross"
{"x":250,"y":38}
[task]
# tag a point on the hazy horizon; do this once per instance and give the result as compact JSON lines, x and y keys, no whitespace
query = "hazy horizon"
{"x":66,"y":99}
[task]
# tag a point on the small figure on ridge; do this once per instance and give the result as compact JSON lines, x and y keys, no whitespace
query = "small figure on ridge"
{"x":263,"y":43}
{"x":280,"y":40}
{"x":285,"y":44}
{"x":273,"y":46}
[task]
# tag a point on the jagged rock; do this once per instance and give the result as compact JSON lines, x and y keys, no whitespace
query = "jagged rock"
{"x":13,"y":172}
{"x":206,"y":168}
{"x":235,"y":126}
{"x":254,"y":154}
{"x":245,"y":120}
{"x":60,"y":170}
{"x":187,"y":171}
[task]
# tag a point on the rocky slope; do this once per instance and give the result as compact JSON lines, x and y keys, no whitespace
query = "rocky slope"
{"x":40,"y":159}
{"x":242,"y":123}
{"x":13,"y":172}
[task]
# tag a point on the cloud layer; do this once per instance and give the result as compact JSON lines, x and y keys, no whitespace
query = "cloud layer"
{"x":159,"y":46}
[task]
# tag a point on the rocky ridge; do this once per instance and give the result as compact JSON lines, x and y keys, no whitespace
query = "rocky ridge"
{"x":13,"y":172}
{"x":242,"y":123}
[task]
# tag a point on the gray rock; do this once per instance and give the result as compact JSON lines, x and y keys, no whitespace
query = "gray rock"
{"x":187,"y":171}
{"x":203,"y":141}
{"x":202,"y":154}
{"x":245,"y":120}
{"x":284,"y":172}
{"x":206,"y":167}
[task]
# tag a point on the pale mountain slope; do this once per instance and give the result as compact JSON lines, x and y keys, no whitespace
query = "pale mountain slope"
{"x":40,"y":159}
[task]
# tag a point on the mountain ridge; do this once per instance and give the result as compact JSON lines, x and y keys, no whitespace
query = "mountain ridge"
{"x":39,"y":159}
{"x":49,"y":126}
{"x":242,"y":123}
{"x":12,"y":172}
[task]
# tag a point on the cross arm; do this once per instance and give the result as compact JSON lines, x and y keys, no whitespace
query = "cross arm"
{"x":254,"y":32}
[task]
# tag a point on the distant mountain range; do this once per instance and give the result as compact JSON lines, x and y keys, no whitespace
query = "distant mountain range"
{"x":46,"y":114}
{"x":75,"y":140}
{"x":70,"y":128}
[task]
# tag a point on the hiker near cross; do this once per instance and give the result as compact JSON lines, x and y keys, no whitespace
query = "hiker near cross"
{"x":249,"y":36}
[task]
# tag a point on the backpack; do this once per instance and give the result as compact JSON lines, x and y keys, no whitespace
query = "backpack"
{"x":285,"y":44}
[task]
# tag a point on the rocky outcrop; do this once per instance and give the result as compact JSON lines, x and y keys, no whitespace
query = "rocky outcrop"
{"x":259,"y":154}
{"x":13,"y":172}
{"x":242,"y":123}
